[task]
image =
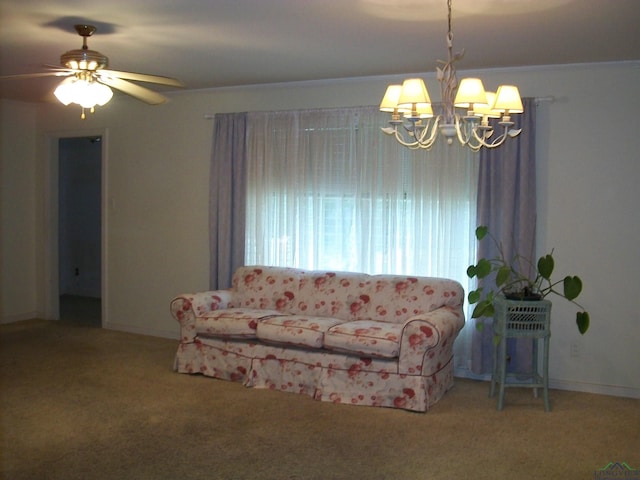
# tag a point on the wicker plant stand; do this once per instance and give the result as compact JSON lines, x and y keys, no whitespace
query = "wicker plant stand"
{"x":521,"y":319}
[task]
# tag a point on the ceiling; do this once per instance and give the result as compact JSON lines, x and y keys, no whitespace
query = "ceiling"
{"x":217,"y":43}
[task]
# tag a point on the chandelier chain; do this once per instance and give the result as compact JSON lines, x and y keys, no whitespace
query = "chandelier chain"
{"x":450,"y":32}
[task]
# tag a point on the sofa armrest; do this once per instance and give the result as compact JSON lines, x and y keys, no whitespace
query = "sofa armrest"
{"x":187,"y":307}
{"x":427,"y":341}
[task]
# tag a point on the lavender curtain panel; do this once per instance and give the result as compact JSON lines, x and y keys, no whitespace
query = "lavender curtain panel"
{"x":227,"y":198}
{"x":507,"y":205}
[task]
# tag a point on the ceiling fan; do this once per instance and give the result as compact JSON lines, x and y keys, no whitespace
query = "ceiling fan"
{"x":88,"y":79}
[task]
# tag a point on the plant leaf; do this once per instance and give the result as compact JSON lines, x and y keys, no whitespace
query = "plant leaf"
{"x":483,"y":309}
{"x":471,"y":271}
{"x":483,"y":268}
{"x":582,"y":319}
{"x":474,"y":296}
{"x":545,"y":266}
{"x":481,"y":232}
{"x":503,"y":276}
{"x":572,"y":287}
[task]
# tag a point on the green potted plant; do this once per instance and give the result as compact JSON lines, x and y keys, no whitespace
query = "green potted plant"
{"x":514,"y":283}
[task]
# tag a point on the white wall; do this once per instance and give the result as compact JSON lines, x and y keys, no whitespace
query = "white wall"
{"x":18,"y":231}
{"x":157,"y":197}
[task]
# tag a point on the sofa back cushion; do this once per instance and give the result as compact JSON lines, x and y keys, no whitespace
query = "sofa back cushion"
{"x":344,"y":295}
{"x":396,"y":298}
{"x":270,"y":288}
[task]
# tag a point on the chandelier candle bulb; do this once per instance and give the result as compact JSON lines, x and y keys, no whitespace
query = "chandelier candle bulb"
{"x":423,"y":110}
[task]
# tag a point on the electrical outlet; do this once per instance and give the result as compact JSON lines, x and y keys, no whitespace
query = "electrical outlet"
{"x":575,"y":350}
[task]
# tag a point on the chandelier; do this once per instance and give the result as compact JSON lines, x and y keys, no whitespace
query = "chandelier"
{"x":414,"y":124}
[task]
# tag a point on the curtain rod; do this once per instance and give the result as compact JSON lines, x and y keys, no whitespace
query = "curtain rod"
{"x":538,"y":100}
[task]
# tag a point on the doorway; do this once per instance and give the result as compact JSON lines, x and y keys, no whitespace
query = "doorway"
{"x":80,"y":229}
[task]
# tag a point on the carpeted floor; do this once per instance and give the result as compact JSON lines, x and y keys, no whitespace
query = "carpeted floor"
{"x":86,"y":403}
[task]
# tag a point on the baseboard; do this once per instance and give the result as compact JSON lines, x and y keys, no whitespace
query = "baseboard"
{"x":171,"y":334}
{"x":20,"y":317}
{"x":573,"y":386}
{"x":613,"y":390}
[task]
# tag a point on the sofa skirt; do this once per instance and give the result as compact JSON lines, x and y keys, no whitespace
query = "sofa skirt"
{"x":322,"y":375}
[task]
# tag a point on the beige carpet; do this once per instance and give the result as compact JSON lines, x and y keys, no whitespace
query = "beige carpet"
{"x":86,"y":403}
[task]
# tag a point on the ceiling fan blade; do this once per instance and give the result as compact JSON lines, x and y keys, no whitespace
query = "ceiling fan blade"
{"x":59,"y":73}
{"x":136,"y":91}
{"x":58,"y":68}
{"x":142,"y":77}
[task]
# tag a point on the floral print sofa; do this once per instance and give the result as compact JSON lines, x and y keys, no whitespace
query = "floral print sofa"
{"x":378,"y":340}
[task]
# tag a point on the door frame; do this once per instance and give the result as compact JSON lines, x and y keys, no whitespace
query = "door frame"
{"x":51,"y":266}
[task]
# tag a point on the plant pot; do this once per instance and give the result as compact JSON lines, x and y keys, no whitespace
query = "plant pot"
{"x":523,"y":296}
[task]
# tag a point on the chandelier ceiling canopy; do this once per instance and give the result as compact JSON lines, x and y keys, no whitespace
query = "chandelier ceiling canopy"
{"x":415,"y":125}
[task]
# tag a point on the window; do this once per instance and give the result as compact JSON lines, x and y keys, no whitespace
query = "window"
{"x":326,"y":189}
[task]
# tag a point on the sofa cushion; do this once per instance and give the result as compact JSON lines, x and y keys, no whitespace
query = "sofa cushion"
{"x":233,"y":322}
{"x":335,"y":294}
{"x":395,"y":298}
{"x":296,"y":330}
{"x":269,"y":288}
{"x":365,"y":338}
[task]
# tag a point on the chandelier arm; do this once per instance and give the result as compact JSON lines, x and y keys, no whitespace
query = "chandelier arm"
{"x":475,"y":146}
{"x":462,"y":138}
{"x":400,"y":138}
{"x":395,"y":131}
{"x":499,"y":140}
{"x":427,"y":143}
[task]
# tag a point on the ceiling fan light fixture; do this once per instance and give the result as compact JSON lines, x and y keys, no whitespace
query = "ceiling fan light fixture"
{"x":86,"y":93}
{"x":84,"y":60}
{"x":89,"y":82}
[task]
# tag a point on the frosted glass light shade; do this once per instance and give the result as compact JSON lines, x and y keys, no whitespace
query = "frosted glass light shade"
{"x":85,"y":93}
{"x":64,"y":91}
{"x":508,"y":98}
{"x":101,"y":93}
{"x":470,"y":92}
{"x":414,"y":91}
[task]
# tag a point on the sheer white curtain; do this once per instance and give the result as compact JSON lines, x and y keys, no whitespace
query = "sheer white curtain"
{"x":326,"y":189}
